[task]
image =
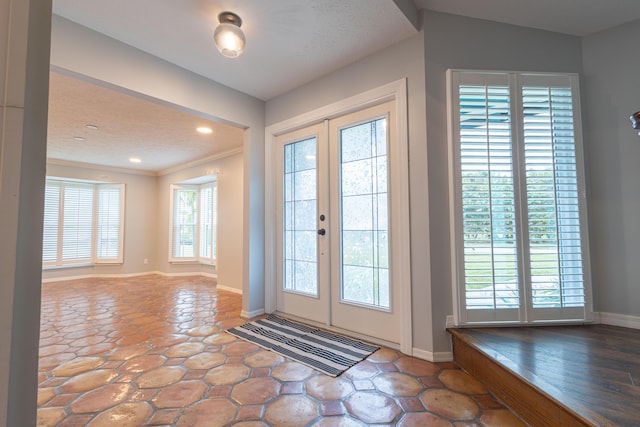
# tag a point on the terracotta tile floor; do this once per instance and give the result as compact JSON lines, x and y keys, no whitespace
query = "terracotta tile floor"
{"x":152,"y":351}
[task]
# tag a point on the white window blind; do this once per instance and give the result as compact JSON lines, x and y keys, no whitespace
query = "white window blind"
{"x":83,"y":223}
{"x":77,"y":222}
{"x":109,"y":237}
{"x":519,"y":227}
{"x":51,"y":228}
{"x":194,"y":222}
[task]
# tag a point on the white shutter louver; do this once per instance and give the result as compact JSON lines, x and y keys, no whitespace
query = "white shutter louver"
{"x":488,"y":210}
{"x":555,"y":246}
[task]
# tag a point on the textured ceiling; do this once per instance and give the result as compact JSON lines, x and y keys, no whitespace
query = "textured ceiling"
{"x":128,"y":126}
{"x":289,"y":43}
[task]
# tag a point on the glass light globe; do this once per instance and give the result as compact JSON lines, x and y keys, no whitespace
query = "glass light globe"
{"x":229,"y":40}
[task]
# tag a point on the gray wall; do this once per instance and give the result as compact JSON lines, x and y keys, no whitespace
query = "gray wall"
{"x":402,"y":60}
{"x":458,"y":42}
{"x":611,"y":93}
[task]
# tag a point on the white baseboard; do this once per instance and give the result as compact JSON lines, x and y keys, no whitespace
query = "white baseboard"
{"x":125,"y":275}
{"x":430,"y":356}
{"x":623,"y":320}
{"x":97,"y":276}
{"x":251,"y":314}
{"x":211,"y":275}
{"x":229,"y":289}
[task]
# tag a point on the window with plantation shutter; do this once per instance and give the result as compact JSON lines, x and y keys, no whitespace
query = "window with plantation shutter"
{"x":193,"y":222}
{"x":519,"y":228}
{"x":83,"y":223}
{"x":184,"y":230}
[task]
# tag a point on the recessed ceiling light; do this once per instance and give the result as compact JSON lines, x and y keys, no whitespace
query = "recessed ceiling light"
{"x":92,"y":127}
{"x":203,"y":129}
{"x":135,"y":160}
{"x":78,"y":138}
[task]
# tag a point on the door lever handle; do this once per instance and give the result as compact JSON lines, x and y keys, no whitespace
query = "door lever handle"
{"x":322,"y":232}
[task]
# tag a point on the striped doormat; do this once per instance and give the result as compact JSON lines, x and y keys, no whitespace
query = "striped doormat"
{"x":324,"y":351}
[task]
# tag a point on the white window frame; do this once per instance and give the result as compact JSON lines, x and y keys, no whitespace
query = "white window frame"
{"x":525,"y":313}
{"x":198,"y":257}
{"x":94,"y":257}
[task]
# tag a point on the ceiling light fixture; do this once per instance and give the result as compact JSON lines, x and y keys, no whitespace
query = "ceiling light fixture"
{"x":135,"y":160}
{"x":79,"y":138}
{"x":204,"y":129}
{"x":228,"y":36}
{"x":635,"y":121}
{"x":92,"y":127}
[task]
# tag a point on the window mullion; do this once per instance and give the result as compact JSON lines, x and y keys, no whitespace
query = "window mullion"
{"x":524,"y":264}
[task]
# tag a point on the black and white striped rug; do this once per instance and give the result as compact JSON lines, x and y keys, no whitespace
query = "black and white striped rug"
{"x":324,"y":351}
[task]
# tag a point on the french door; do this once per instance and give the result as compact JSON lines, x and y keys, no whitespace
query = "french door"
{"x":334,"y":224}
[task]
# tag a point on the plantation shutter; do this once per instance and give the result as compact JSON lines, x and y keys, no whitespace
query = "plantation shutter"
{"x":184,"y":232}
{"x":555,"y":231}
{"x":517,"y":205}
{"x":109,"y":227}
{"x":77,"y":228}
{"x":206,"y":222}
{"x":51,"y":222}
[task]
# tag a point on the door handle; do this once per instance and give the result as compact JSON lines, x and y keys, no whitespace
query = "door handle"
{"x":322,"y":232}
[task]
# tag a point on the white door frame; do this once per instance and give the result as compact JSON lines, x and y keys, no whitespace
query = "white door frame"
{"x":397,"y":91}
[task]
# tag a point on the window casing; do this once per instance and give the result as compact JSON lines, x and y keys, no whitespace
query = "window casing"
{"x":193,"y":232}
{"x":83,"y":223}
{"x":519,"y":234}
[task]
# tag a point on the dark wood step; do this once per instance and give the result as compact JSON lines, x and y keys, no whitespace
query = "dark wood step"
{"x":557,"y":376}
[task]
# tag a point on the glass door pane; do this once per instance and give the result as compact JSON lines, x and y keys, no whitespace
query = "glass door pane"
{"x":363,"y":199}
{"x":299,"y":217}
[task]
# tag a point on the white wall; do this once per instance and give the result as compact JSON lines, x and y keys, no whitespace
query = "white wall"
{"x":611,"y":93}
{"x":230,"y":219}
{"x":140,"y":222}
{"x":402,"y":60}
{"x":87,"y":54}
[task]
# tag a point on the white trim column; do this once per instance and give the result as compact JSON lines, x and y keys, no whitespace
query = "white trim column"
{"x":25,"y":33}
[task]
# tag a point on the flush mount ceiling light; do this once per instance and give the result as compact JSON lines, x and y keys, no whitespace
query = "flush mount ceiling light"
{"x":228,"y":35}
{"x":635,"y":121}
{"x":135,"y":160}
{"x":205,"y":130}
